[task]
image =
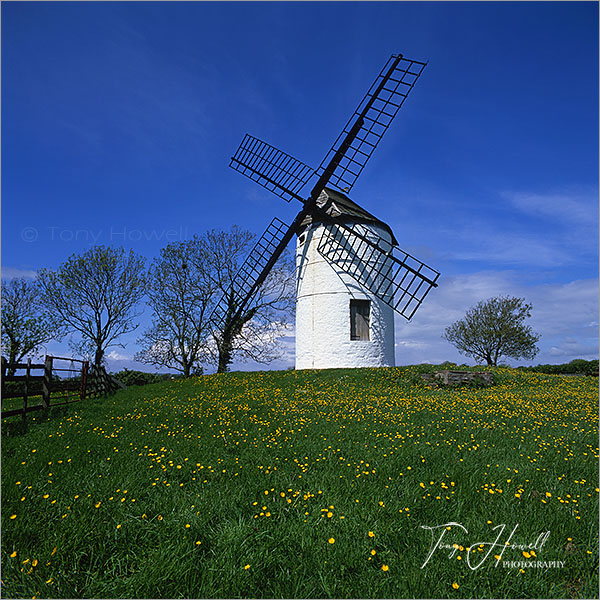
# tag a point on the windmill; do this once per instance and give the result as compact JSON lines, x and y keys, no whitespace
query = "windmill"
{"x":351,"y":275}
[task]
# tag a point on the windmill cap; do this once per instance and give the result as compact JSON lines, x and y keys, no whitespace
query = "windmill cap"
{"x":337,"y":204}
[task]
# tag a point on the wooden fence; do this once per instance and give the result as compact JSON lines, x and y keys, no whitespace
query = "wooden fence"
{"x":54,"y":383}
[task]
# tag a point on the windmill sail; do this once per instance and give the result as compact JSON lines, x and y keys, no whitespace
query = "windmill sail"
{"x":275,"y":170}
{"x":405,"y":280}
{"x":394,"y":276}
{"x":251,"y":274}
{"x":370,"y":121}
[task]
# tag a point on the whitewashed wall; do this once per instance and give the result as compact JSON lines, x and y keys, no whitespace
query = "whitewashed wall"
{"x":323,"y":313}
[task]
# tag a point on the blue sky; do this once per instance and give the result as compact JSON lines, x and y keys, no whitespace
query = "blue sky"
{"x":119,"y":118}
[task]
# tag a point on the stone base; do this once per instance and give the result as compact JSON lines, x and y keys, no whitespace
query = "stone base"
{"x":460,"y":377}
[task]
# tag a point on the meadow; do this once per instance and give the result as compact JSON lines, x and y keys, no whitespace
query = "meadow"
{"x":340,"y":483}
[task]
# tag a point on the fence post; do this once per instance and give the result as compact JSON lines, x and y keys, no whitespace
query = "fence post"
{"x":84,"y":372}
{"x":46,"y":388}
{"x":26,"y":390}
{"x":3,"y":373}
{"x":102,"y":374}
{"x":93,"y":381}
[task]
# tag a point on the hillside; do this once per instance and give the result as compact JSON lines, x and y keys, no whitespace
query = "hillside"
{"x":307,"y":484}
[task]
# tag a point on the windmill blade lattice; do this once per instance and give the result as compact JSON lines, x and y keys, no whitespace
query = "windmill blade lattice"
{"x":371,"y":120}
{"x":275,"y":170}
{"x":400,"y":280}
{"x":235,"y":299}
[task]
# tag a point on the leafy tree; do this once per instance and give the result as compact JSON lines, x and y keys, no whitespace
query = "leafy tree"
{"x":96,"y":295}
{"x":180,"y":290}
{"x":495,"y":328}
{"x":25,"y":325}
{"x":255,"y":332}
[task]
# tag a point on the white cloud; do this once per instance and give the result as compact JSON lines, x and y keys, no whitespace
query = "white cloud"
{"x":564,"y":314}
{"x":117,"y":361}
{"x":12,"y":273}
{"x":561,"y":308}
{"x":114,"y":355}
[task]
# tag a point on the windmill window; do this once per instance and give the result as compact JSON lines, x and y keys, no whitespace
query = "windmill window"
{"x":302,"y":238}
{"x":360,"y":314}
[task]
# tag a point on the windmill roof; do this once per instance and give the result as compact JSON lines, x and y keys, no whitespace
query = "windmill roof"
{"x":337,"y":204}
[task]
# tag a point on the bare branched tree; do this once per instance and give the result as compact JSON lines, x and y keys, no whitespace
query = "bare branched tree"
{"x":25,"y":324}
{"x":255,"y":333}
{"x":180,"y":291}
{"x":96,"y":295}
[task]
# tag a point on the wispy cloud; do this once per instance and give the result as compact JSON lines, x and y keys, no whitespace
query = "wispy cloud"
{"x":526,"y":230}
{"x":484,"y":243}
{"x":13,"y":273}
{"x":573,"y":207}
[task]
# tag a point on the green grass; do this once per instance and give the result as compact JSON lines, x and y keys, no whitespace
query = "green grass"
{"x":172,"y":489}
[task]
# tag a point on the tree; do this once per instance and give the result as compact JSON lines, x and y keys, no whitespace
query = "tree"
{"x":180,"y":291}
{"x":25,"y":325}
{"x":495,"y":328}
{"x":254,"y":334}
{"x":96,"y":295}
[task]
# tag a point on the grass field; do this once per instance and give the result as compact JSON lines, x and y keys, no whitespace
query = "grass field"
{"x":308,"y":484}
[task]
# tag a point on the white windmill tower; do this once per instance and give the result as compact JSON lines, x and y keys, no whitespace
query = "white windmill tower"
{"x":340,"y":322}
{"x":351,"y":273}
